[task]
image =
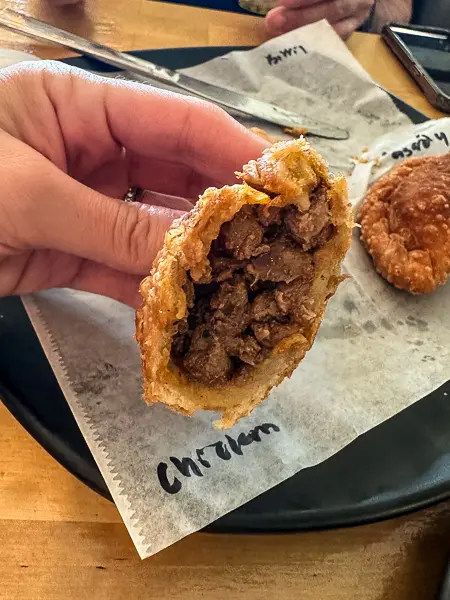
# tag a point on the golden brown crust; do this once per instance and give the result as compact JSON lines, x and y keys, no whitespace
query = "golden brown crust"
{"x":405,"y":224}
{"x":289,"y":171}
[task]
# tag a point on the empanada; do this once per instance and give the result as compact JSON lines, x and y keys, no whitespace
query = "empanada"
{"x":405,"y":224}
{"x":238,"y":292}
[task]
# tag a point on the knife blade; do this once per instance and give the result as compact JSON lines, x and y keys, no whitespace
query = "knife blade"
{"x":226,"y":98}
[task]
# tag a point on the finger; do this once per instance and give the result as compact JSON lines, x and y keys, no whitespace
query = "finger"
{"x":59,"y":213}
{"x":282,"y":19}
{"x":61,"y":3}
{"x":152,"y":123}
{"x":98,"y":279}
{"x":170,"y":178}
{"x":346,"y":27}
{"x":160,"y":176}
{"x":109,"y":178}
{"x":172,"y":202}
{"x":298,"y":3}
{"x":24,"y":274}
{"x":275,"y":21}
{"x":332,"y":7}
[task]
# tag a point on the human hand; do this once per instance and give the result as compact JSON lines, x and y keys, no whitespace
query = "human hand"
{"x":71,"y":145}
{"x":63,"y":3}
{"x":344,"y":15}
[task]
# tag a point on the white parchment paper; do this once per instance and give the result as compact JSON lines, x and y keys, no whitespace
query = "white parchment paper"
{"x":377,"y":352}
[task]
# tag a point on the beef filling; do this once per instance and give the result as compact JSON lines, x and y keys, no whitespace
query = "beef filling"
{"x":262,"y":267}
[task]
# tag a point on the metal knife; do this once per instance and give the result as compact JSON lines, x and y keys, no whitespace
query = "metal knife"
{"x":228,"y":99}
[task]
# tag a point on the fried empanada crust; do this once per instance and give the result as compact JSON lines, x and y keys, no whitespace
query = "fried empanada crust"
{"x":287,"y":173}
{"x":405,"y":224}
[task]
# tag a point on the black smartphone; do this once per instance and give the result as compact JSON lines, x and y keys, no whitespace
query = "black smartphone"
{"x":425,"y":53}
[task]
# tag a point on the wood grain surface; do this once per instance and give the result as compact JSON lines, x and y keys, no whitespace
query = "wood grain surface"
{"x":61,"y":541}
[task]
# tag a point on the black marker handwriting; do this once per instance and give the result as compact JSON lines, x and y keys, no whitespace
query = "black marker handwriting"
{"x":274,"y":59}
{"x":442,"y":137}
{"x":187,"y":466}
{"x":422,"y":142}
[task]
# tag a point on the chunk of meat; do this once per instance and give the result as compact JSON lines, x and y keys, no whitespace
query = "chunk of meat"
{"x":224,"y":267}
{"x":207,"y":360}
{"x":283,"y":262}
{"x":306,"y":227}
{"x":292,"y":299}
{"x":199,"y":313}
{"x":289,"y":295}
{"x":268,"y":215}
{"x":246,"y":348}
{"x":271,"y":333}
{"x":231,"y":308}
{"x":262,"y":252}
{"x":322,"y":238}
{"x":242,"y":234}
{"x":261,"y":249}
{"x":303,"y":314}
{"x":265,"y":306}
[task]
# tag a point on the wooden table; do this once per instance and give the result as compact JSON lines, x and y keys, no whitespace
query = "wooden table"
{"x":60,"y":541}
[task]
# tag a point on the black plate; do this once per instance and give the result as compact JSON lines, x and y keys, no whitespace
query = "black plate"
{"x":399,"y":466}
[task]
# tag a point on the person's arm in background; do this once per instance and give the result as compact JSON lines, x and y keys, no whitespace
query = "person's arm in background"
{"x":391,"y":10}
{"x":344,"y":15}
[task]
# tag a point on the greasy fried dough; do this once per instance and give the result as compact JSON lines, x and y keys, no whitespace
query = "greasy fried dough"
{"x":238,"y":292}
{"x":405,"y":224}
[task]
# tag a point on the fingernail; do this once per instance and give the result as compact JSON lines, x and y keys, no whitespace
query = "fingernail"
{"x":276,"y":20}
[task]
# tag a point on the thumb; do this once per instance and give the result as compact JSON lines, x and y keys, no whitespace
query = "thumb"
{"x":80,"y":221}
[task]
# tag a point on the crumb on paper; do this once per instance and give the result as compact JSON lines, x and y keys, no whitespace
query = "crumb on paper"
{"x":296,"y":131}
{"x":262,"y":133}
{"x":362,"y":160}
{"x":365,"y":149}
